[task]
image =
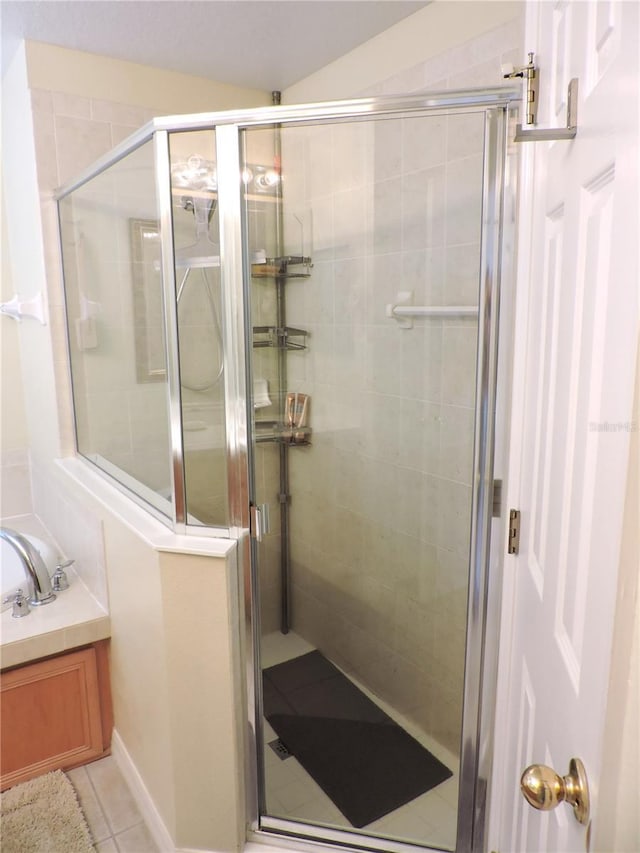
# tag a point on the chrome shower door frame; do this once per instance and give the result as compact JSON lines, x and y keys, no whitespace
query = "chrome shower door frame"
{"x":480,"y":670}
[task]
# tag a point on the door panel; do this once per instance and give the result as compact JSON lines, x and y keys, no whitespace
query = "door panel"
{"x":578,"y":305}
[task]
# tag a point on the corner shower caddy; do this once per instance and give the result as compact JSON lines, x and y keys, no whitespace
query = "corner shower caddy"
{"x":284,"y":339}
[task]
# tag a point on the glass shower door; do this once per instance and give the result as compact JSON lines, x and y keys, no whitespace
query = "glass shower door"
{"x":365,"y":248}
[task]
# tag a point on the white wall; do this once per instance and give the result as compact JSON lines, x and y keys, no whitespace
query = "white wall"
{"x":15,"y":487}
{"x":27,"y":256}
{"x":618,"y":821}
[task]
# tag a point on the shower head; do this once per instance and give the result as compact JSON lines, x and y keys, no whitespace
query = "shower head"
{"x":204,"y":252}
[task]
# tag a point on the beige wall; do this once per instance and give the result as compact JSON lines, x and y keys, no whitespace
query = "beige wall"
{"x":27,"y":257}
{"x":102,"y":78}
{"x":390,"y":61}
{"x":176,"y":682}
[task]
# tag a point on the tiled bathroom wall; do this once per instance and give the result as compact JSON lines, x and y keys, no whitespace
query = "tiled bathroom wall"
{"x":380,"y":508}
{"x":70,"y":133}
{"x":15,"y":484}
{"x":113,"y":282}
{"x":111,"y":251}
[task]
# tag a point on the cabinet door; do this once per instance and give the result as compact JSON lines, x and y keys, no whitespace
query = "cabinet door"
{"x":50,"y":716}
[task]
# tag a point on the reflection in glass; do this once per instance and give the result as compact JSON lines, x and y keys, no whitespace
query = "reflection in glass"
{"x":199,"y":297}
{"x":111,"y":257}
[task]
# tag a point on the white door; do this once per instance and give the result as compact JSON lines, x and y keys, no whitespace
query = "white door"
{"x":576,"y":337}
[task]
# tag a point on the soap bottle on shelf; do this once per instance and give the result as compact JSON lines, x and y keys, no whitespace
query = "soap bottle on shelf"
{"x":297,"y":416}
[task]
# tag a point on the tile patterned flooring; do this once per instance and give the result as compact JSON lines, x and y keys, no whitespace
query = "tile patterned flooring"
{"x":113,"y":817}
{"x":292,"y":793}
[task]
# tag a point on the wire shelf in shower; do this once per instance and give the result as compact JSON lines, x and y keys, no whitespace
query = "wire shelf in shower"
{"x":280,"y":267}
{"x":272,"y":431}
{"x":286,"y":338}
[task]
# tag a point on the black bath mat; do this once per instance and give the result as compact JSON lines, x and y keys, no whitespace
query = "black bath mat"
{"x":365,"y":763}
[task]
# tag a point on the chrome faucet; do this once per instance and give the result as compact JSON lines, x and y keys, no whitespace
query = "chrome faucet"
{"x":40,"y":591}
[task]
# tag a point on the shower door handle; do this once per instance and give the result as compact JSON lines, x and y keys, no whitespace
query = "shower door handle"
{"x":259,"y":521}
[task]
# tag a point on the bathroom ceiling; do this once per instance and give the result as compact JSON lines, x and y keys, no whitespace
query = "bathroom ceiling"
{"x":264,"y":44}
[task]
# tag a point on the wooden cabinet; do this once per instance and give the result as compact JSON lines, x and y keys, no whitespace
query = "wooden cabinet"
{"x":56,"y":714}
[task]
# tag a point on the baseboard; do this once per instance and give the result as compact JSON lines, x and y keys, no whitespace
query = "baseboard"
{"x":141,"y":795}
{"x":159,"y":831}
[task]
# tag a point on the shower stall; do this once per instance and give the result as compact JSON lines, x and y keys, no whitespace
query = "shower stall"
{"x":283,"y":329}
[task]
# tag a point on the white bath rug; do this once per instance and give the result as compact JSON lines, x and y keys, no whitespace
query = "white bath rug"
{"x":43,"y":816}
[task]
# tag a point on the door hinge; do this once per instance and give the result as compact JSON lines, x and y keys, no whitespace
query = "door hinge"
{"x":258,"y":521}
{"x":513,"y":545}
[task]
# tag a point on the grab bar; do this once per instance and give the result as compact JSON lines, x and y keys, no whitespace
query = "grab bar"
{"x":432,"y":311}
{"x":404,"y":313}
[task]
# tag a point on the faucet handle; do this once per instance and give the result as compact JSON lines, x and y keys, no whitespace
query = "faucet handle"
{"x":20,"y":605}
{"x":59,"y":580}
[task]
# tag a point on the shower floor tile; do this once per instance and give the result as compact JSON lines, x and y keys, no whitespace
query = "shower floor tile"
{"x":292,"y":793}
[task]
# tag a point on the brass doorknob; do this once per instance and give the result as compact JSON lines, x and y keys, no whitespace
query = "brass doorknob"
{"x":543,"y":788}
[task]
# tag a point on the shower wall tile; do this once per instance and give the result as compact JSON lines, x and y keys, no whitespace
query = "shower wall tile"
{"x":349,"y":292}
{"x":423,"y":274}
{"x":353,"y":158}
{"x":45,"y":145}
{"x":382,"y":285}
{"x":15,"y":484}
{"x":454,"y":516}
{"x":383,"y":357}
{"x":421,"y":361}
{"x":461,"y":274}
{"x":41,"y":100}
{"x":464,"y":202}
{"x":424,"y":143}
{"x":409,"y":80}
{"x":387,"y":152}
{"x":120,"y":114}
{"x":420,"y":425}
{"x":323,"y":245}
{"x":350,"y":223}
{"x":458,"y":364}
{"x":481,"y":74}
{"x":79,"y":142}
{"x":74,"y":528}
{"x":319,"y":294}
{"x":387,"y":216}
{"x":464,"y":136}
{"x":456,"y":443}
{"x":71,"y":105}
{"x":120,"y":132}
{"x":381,"y":500}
